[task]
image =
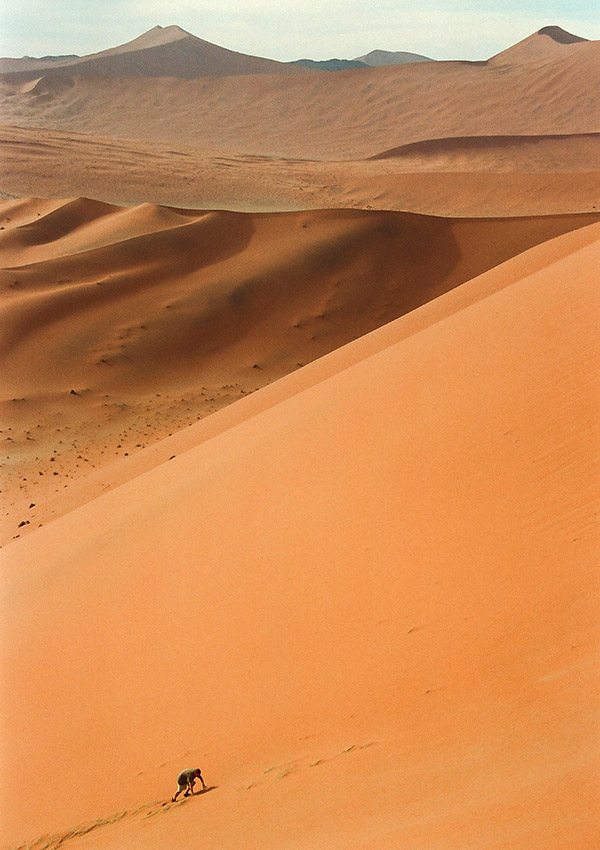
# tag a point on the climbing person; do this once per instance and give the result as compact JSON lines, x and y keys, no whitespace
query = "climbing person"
{"x":186,"y":781}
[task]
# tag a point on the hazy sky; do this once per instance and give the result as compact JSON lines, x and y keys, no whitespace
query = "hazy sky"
{"x":293,"y":29}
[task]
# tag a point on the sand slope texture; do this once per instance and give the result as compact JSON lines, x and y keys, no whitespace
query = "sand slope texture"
{"x":316,"y":115}
{"x":475,"y":176}
{"x":123,"y":325}
{"x":299,"y":466}
{"x":387,"y":638}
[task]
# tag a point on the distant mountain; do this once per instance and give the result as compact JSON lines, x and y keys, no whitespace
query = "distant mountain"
{"x":160,"y":52}
{"x":173,"y":52}
{"x":331,"y":64}
{"x":32,"y":63}
{"x":547,"y":43}
{"x":52,"y":58}
{"x":376,"y":58}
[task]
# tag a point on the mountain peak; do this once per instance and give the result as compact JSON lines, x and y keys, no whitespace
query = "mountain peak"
{"x":158,"y":35}
{"x":171,"y":30}
{"x":386,"y":57}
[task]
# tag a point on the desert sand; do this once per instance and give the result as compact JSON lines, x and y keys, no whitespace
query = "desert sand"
{"x":516,"y":135}
{"x":318,"y":115}
{"x":370,"y":644}
{"x":119,"y":329}
{"x":474,"y":176}
{"x":299,"y":472}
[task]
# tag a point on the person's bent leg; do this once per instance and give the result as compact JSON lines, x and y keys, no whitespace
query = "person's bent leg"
{"x":180,"y":788}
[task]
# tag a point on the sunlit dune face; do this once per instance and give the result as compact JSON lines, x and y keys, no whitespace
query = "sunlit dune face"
{"x":376,"y":589}
{"x":299,"y":422}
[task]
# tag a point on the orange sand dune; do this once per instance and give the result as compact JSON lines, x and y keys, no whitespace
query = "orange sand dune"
{"x":368,"y":612}
{"x":360,"y":593}
{"x":121,"y":326}
{"x":484,"y":176}
{"x":343,"y":115}
{"x":62,"y":499}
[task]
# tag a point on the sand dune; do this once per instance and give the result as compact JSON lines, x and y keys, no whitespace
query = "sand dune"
{"x":499,"y":153}
{"x":121,"y":326}
{"x":367,"y":611}
{"x":305,"y":498}
{"x":490,"y":176}
{"x":160,"y":52}
{"x":490,"y":194}
{"x":57,"y":498}
{"x":346,"y":115}
{"x":547,"y":44}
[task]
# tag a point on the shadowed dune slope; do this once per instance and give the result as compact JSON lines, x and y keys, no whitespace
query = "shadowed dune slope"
{"x":204,"y":284}
{"x":368,"y":612}
{"x":346,"y":115}
{"x":122,"y":325}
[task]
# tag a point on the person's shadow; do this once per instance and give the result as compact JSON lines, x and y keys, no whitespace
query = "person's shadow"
{"x":189,"y":796}
{"x":201,"y":792}
{"x":205,"y":790}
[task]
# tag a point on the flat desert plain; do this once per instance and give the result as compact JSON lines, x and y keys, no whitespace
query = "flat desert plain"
{"x":299,"y":450}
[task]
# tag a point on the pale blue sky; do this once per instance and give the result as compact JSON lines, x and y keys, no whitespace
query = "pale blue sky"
{"x":293,"y":29}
